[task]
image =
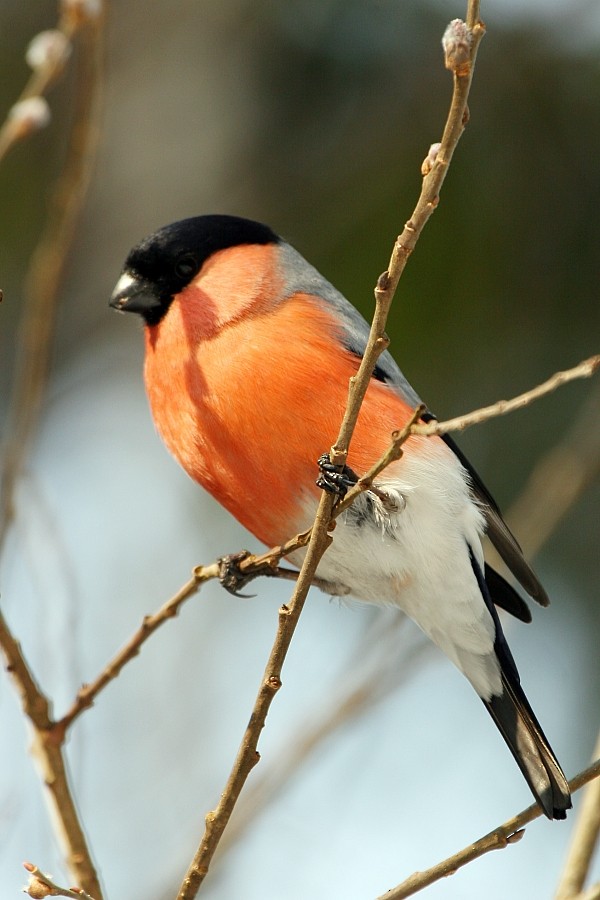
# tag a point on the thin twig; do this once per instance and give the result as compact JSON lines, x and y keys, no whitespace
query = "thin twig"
{"x":559,"y":479}
{"x":267,"y":563}
{"x":88,"y":692}
{"x":584,"y":369}
{"x":41,"y":885}
{"x":49,"y":757}
{"x":508,"y":833}
{"x":247,"y":756}
{"x":383,"y":667}
{"x":584,"y":839}
{"x":578,"y":455}
{"x":49,"y":258}
{"x":37,"y":328}
{"x":39,"y":83}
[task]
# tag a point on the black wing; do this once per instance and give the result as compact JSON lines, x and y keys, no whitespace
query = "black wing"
{"x":501,"y":536}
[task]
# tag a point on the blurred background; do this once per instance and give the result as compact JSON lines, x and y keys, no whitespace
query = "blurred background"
{"x":313,"y":117}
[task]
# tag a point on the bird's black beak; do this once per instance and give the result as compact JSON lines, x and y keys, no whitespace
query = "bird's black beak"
{"x":133,"y":294}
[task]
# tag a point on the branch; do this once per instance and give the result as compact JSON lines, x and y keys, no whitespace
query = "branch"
{"x":47,"y":263}
{"x":509,"y":833}
{"x":577,"y":458}
{"x":49,"y":758}
{"x":583,"y":842}
{"x":381,"y":669}
{"x":584,"y":369}
{"x":41,"y":885}
{"x":267,"y":563}
{"x":37,"y":326}
{"x":428,"y":201}
{"x":88,"y":692}
{"x":247,"y":756}
{"x":558,"y":479}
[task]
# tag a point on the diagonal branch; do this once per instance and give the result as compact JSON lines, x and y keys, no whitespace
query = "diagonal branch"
{"x":41,"y":885}
{"x":50,"y":760}
{"x":47,"y":264}
{"x":360,"y":688}
{"x":584,"y":369}
{"x":37,"y":328}
{"x":247,"y":757}
{"x":88,"y":692}
{"x":267,"y":563}
{"x":583,"y":842}
{"x":560,"y":477}
{"x":509,"y":833}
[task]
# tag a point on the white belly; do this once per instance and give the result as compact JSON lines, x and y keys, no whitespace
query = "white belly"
{"x":415,"y":555}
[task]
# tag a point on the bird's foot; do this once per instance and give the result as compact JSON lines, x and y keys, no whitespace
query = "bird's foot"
{"x":333,"y":479}
{"x":231,"y":577}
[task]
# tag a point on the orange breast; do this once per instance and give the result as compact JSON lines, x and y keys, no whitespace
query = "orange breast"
{"x":248,"y":411}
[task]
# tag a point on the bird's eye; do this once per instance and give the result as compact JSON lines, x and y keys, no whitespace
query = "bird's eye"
{"x":186,"y":267}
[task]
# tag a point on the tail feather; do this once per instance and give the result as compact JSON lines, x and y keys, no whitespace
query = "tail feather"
{"x":527,"y":742}
{"x":518,"y":725}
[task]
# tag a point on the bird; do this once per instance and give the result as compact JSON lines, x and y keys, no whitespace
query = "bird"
{"x":248,"y":355}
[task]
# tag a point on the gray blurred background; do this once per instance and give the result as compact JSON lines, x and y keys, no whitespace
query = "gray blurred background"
{"x":313,"y":117}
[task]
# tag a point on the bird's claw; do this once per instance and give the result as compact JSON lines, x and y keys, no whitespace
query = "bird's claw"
{"x":231,"y":577}
{"x":333,"y":479}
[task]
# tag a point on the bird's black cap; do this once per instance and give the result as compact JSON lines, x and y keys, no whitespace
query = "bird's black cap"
{"x":165,"y":262}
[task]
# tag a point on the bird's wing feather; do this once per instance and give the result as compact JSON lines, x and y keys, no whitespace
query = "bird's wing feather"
{"x":500,"y":534}
{"x":300,"y":276}
{"x":505,"y":596}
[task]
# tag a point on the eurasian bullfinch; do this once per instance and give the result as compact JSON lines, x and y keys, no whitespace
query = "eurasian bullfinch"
{"x":248,"y":355}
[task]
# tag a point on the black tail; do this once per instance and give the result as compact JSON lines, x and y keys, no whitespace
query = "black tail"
{"x":515,"y":718}
{"x":528,"y":744}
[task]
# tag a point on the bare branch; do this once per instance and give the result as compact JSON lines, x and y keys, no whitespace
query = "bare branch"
{"x":88,"y":692}
{"x":41,"y":885}
{"x":247,"y":756}
{"x":50,"y":761}
{"x":584,"y":369}
{"x":559,"y":478}
{"x":509,"y":833}
{"x":583,"y":843}
{"x":383,"y":667}
{"x":37,"y":328}
{"x":48,"y":260}
{"x":267,"y":563}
